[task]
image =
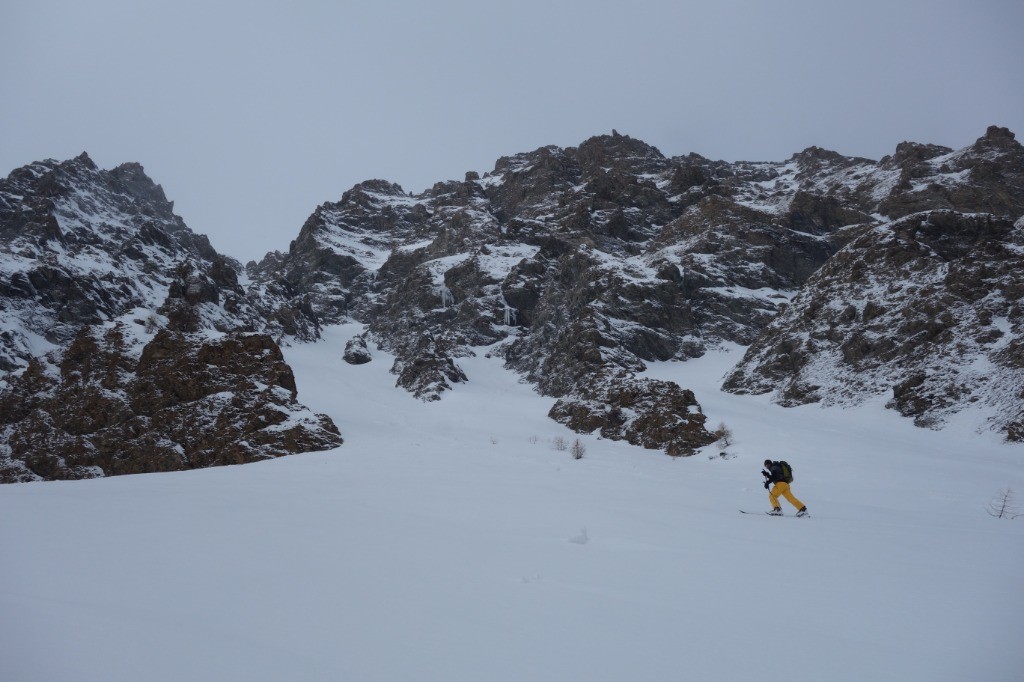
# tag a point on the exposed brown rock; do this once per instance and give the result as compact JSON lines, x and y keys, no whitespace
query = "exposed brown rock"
{"x":654,"y":414}
{"x":928,"y":308}
{"x":431,"y":370}
{"x":186,"y":402}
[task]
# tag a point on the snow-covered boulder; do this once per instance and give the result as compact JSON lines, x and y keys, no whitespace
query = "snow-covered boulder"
{"x":357,"y":352}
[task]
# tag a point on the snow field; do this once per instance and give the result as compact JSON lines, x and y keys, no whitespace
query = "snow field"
{"x":451,"y":541}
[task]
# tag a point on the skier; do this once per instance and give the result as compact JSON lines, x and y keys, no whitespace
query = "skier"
{"x":775,"y":472}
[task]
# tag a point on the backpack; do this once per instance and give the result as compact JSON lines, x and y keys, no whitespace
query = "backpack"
{"x":787,"y":471}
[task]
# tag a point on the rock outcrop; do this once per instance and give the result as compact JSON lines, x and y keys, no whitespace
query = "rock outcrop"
{"x":927,"y":310}
{"x":357,"y":352}
{"x":580,"y":264}
{"x":650,"y":413}
{"x":115,"y":404}
{"x":86,"y":254}
{"x":846,"y":277}
{"x":81,"y":246}
{"x":572,"y":264}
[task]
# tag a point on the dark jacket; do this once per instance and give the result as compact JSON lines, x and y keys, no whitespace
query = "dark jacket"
{"x":774,"y":473}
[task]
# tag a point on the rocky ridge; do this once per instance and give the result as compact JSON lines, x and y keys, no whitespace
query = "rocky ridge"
{"x":927,"y":311}
{"x":121,"y":404}
{"x":81,"y":246}
{"x":575,"y":265}
{"x":90,"y":259}
{"x":846,"y":277}
{"x":926,"y":308}
{"x":580,"y":265}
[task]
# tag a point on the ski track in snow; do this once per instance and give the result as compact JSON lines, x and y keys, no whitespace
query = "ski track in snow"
{"x":452,"y":541}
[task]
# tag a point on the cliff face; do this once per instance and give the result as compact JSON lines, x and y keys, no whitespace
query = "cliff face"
{"x":578,"y":265}
{"x":927,"y":311}
{"x":847,"y":278}
{"x":93,"y":262}
{"x":926,"y":308}
{"x":121,"y":404}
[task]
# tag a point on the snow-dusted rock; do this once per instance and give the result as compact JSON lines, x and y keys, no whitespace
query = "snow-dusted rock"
{"x":80,"y":246}
{"x":927,"y":310}
{"x":357,"y":352}
{"x":589,"y":261}
{"x":86,"y":254}
{"x":987,"y":177}
{"x":115,"y":403}
{"x":647,"y":412}
{"x":430,"y":369}
{"x":573,"y":264}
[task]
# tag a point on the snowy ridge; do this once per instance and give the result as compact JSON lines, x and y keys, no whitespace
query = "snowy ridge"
{"x":589,"y":261}
{"x":81,"y":245}
{"x":578,"y":267}
{"x":120,"y":336}
{"x":924,"y":311}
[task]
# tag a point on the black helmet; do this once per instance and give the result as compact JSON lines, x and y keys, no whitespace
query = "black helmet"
{"x":767,"y":462}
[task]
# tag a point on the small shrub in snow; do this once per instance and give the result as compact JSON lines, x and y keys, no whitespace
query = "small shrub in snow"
{"x":724,"y":435}
{"x":578,"y":450}
{"x":533,"y":440}
{"x":580,"y":539}
{"x":559,"y":443}
{"x":1003,"y":506}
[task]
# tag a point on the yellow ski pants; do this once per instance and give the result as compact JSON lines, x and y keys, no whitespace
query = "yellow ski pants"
{"x":781,"y":489}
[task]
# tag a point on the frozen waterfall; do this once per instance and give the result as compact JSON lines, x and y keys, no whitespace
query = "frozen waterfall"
{"x":447,"y":297}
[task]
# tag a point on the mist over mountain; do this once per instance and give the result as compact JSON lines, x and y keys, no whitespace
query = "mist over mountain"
{"x":848,"y":279}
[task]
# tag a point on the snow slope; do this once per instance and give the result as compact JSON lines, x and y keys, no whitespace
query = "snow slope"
{"x":452,"y":541}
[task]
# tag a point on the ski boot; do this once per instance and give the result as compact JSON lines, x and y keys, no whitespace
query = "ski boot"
{"x":802,"y":512}
{"x":777,"y":511}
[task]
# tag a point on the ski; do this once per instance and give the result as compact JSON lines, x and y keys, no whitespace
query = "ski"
{"x":794,"y":516}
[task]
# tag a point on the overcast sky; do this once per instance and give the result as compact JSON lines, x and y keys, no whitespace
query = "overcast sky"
{"x":250,"y":114}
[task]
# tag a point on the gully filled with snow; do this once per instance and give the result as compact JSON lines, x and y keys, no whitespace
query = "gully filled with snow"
{"x":453,"y":541}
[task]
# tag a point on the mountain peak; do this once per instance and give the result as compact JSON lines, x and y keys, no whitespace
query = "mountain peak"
{"x":815,"y":154}
{"x":133,"y":177}
{"x":999,"y":140}
{"x":373,"y":191}
{"x":915,"y":152}
{"x":86,"y":161}
{"x":620,"y":145}
{"x":998,"y":133}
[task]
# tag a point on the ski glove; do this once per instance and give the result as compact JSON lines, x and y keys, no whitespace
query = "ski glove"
{"x":766,"y":485}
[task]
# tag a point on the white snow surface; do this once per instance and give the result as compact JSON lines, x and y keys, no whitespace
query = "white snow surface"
{"x":452,"y":541}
